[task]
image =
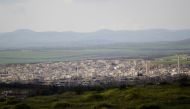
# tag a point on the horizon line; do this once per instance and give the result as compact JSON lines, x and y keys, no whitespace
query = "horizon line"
{"x":146,"y":29}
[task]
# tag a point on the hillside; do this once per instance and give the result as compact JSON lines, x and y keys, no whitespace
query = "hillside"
{"x":139,"y":97}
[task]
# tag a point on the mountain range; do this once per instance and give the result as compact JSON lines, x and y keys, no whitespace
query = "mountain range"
{"x":23,"y":39}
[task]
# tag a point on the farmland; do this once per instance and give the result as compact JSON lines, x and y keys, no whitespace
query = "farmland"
{"x":69,"y":54}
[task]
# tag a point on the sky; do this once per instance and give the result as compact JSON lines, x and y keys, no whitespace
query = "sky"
{"x":93,"y":15}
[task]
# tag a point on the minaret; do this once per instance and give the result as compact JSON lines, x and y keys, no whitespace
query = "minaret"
{"x":178,"y":64}
{"x":134,"y":67}
{"x":146,"y":67}
{"x":77,"y":71}
{"x":135,"y":63}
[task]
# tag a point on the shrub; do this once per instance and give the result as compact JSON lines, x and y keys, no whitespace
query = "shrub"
{"x":6,"y":107}
{"x":104,"y":106}
{"x":164,"y":83}
{"x":182,"y":97}
{"x":121,"y":87}
{"x":133,"y":96}
{"x":79,"y":91}
{"x":149,"y":106}
{"x":183,"y":80}
{"x":22,"y":106}
{"x":2,"y":100}
{"x":94,"y":97}
{"x":12,"y":101}
{"x":60,"y":105}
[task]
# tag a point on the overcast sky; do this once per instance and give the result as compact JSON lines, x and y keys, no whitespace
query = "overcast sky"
{"x":92,"y":15}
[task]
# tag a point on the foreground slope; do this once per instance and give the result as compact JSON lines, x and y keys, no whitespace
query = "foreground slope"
{"x":139,"y":97}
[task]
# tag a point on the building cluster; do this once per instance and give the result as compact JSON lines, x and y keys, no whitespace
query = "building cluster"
{"x":87,"y":72}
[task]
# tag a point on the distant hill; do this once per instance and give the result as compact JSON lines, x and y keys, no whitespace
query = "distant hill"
{"x":185,"y":41}
{"x":30,"y":39}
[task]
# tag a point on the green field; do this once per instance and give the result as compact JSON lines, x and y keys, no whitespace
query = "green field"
{"x":29,"y":56}
{"x":126,"y":50}
{"x":173,"y":59}
{"x":137,"y":97}
{"x":45,"y":55}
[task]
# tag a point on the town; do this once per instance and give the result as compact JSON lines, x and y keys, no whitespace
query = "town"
{"x":91,"y":72}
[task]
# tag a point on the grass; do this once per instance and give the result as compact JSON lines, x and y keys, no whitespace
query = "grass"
{"x":138,"y":97}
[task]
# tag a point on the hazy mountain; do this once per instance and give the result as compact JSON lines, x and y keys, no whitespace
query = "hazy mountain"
{"x":32,"y":39}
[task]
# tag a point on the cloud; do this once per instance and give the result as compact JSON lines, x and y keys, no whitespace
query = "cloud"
{"x":87,"y":1}
{"x":10,"y":1}
{"x":91,"y":15}
{"x":67,"y":1}
{"x":93,"y":0}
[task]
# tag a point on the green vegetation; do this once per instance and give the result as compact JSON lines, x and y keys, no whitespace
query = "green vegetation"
{"x":184,"y":59}
{"x":129,"y":50}
{"x":137,"y":97}
{"x":45,"y":55}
